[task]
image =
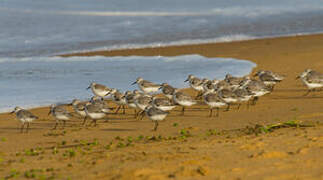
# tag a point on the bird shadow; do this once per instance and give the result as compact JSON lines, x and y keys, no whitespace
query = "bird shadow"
{"x":118,"y":130}
{"x":290,"y":90}
{"x":297,"y":97}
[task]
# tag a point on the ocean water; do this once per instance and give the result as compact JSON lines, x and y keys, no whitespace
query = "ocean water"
{"x":33,"y":32}
{"x":45,"y":28}
{"x":30,"y":82}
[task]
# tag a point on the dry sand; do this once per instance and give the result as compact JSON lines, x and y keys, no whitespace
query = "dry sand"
{"x":191,"y":146}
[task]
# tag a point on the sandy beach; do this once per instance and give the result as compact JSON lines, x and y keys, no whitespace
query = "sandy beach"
{"x":234,"y":145}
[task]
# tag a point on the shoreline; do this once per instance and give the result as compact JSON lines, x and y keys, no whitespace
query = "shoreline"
{"x":123,"y":51}
{"x":178,"y":43}
{"x":176,"y":50}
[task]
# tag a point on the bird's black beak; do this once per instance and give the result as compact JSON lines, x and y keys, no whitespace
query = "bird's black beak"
{"x":134,"y":83}
{"x":186,"y":80}
{"x":49,"y":112}
{"x":88,"y":88}
{"x":12,"y":112}
{"x":161,"y":87}
{"x":297,"y":77}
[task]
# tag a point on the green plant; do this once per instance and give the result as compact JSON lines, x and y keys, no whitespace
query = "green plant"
{"x":13,"y":174}
{"x":55,"y":150}
{"x":69,"y":153}
{"x":211,"y":132}
{"x":140,"y":137}
{"x":130,"y":139}
{"x":34,"y":152}
{"x":63,"y":143}
{"x":121,"y":145}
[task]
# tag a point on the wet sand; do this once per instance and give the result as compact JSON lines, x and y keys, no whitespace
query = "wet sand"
{"x":192,"y":146}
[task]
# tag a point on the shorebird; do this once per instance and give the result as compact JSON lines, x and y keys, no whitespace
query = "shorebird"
{"x":163,"y":104}
{"x":25,"y":117}
{"x":97,"y":101}
{"x":228,"y":96}
{"x":233,"y":81}
{"x":312,"y":79}
{"x":94,"y":112}
{"x":268,"y":77}
{"x":221,"y":84}
{"x":119,"y":99}
{"x":167,"y":90}
{"x":146,"y":86}
{"x":142,"y":102}
{"x":209,"y":85}
{"x":99,"y":89}
{"x":79,"y":107}
{"x":130,"y":99}
{"x":60,"y":114}
{"x":183,"y":100}
{"x":196,"y":84}
{"x":257,"y":88}
{"x":213,"y":101}
{"x":244,"y":95}
{"x":155,"y":115}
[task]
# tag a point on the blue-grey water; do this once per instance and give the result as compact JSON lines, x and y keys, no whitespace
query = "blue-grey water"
{"x":31,"y":82}
{"x":33,"y":31}
{"x":44,"y":27}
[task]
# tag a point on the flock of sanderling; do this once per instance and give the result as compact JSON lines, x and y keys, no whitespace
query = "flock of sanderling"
{"x":214,"y":93}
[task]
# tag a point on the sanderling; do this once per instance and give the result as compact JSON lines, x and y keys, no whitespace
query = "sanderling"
{"x":312,"y":79}
{"x":25,"y":117}
{"x":268,"y":77}
{"x":142,"y":102}
{"x":120,"y":99}
{"x":163,"y":104}
{"x":209,"y":85}
{"x":196,"y":84}
{"x":183,"y":100}
{"x":99,"y":89}
{"x":257,"y":88}
{"x":221,"y":84}
{"x":79,"y":107}
{"x":94,"y":112}
{"x":167,"y":90}
{"x":234,"y":81}
{"x":60,"y":114}
{"x":155,"y":115}
{"x":213,"y":101}
{"x":101,"y":103}
{"x":146,"y":86}
{"x":227,"y":95}
{"x":130,"y":99}
{"x":244,"y":95}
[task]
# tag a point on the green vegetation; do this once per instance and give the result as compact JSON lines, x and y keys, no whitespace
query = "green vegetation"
{"x":34,"y":152}
{"x":184,"y":133}
{"x":211,"y":132}
{"x":40,"y":174}
{"x":270,"y":128}
{"x":13,"y":174}
{"x":69,"y":153}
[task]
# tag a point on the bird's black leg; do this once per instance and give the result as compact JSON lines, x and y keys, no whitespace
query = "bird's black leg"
{"x":156,"y":125}
{"x":22,"y":127}
{"x":28,"y":123}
